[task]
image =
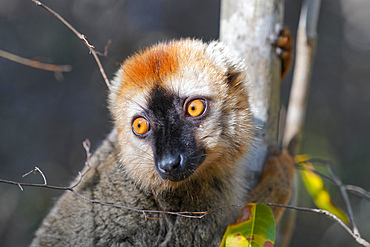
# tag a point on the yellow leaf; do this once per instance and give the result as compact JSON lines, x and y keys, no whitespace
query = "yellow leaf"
{"x":316,"y":188}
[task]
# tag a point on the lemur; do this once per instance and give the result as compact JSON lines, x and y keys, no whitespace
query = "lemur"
{"x":182,"y":134}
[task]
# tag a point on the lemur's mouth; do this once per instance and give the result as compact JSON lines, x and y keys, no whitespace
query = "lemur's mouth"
{"x":179,"y":167}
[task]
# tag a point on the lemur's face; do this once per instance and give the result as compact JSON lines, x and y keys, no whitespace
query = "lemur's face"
{"x":169,"y":123}
{"x":182,"y":113}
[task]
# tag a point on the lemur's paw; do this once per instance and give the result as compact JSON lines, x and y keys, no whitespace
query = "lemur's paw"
{"x":283,"y":43}
{"x":276,"y":182}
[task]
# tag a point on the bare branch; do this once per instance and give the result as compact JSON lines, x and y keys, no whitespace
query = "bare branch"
{"x":42,"y":174}
{"x":105,"y":54}
{"x":355,"y":235}
{"x":34,"y":171}
{"x":79,"y":35}
{"x":300,"y":167}
{"x":20,"y":187}
{"x":107,"y":47}
{"x":34,"y":63}
{"x":86,"y":145}
{"x":28,"y":173}
{"x":150,"y":218}
{"x":34,"y":185}
{"x":115,"y":61}
{"x":306,"y":47}
{"x":358,"y":191}
{"x":195,"y":215}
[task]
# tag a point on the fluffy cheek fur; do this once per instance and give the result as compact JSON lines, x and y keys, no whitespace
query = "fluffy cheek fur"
{"x":136,"y":154}
{"x":226,"y":136}
{"x":137,"y":158}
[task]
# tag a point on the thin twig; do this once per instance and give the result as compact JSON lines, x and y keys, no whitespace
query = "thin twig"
{"x":187,"y":214}
{"x":196,"y":215}
{"x":34,"y":171}
{"x":358,"y":191}
{"x":355,"y":235}
{"x":20,"y":187}
{"x":28,"y":173}
{"x":101,"y":69}
{"x":34,"y":185}
{"x":145,"y":211}
{"x":79,"y":35}
{"x":34,"y":63}
{"x":115,"y":61}
{"x":42,"y":174}
{"x":105,"y":54}
{"x":300,"y":167}
{"x":86,"y":145}
{"x":150,"y":218}
{"x":106,"y":48}
{"x":341,"y":187}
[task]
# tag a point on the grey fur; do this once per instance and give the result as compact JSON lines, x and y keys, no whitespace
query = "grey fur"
{"x":76,"y":222}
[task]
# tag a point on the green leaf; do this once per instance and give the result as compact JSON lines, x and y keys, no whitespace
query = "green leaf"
{"x":254,"y":228}
{"x":316,"y":188}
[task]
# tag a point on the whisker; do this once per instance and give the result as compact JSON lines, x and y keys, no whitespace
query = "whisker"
{"x":138,"y":156}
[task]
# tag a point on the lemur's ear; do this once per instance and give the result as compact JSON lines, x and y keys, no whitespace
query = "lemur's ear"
{"x":221,"y":55}
{"x":233,"y":68}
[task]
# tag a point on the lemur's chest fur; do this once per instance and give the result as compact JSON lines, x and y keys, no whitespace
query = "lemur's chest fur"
{"x":166,"y":230}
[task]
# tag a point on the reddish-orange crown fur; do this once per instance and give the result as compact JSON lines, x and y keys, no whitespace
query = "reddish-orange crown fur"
{"x":150,"y":66}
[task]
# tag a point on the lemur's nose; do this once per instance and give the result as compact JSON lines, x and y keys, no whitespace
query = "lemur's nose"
{"x":170,"y":164}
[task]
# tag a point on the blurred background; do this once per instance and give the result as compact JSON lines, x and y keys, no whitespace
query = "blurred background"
{"x":45,"y":116}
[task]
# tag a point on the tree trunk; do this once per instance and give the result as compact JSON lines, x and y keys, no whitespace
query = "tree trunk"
{"x":246,"y":27}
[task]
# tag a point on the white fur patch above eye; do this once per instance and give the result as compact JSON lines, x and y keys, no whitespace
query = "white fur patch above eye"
{"x":193,"y":81}
{"x":222,"y":56}
{"x":187,"y":88}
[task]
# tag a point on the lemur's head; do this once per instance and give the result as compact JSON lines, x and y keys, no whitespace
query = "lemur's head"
{"x":182,"y":113}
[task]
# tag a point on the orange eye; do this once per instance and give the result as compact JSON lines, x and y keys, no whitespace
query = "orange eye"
{"x":140,"y":126}
{"x":196,"y":108}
